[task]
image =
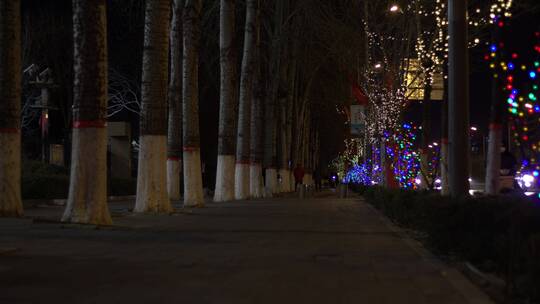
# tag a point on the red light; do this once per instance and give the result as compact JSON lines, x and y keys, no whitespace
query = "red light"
{"x":530,"y":111}
{"x":501,"y":24}
{"x":525,"y":137}
{"x":510,"y":78}
{"x":514,"y":56}
{"x":486,"y":58}
{"x":537,"y":34}
{"x":509,"y":87}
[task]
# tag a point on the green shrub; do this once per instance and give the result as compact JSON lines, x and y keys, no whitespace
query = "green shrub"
{"x":45,"y":186}
{"x":122,"y":186}
{"x":32,"y":167}
{"x":44,"y":181}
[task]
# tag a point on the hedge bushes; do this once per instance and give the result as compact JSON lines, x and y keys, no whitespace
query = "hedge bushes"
{"x":44,"y":181}
{"x":122,"y":186}
{"x":499,"y":234}
{"x":45,"y":186}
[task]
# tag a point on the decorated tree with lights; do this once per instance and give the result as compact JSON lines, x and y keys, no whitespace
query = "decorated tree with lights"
{"x":519,"y":76}
{"x":430,"y":51}
{"x":388,"y":44}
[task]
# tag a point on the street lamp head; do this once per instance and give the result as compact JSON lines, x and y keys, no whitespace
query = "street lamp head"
{"x":378,"y":66}
{"x":395,"y":8}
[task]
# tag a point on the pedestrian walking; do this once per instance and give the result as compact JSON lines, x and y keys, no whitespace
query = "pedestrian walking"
{"x":298,"y":176}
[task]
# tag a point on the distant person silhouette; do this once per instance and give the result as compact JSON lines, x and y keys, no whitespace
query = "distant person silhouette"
{"x":298,"y":176}
{"x":508,"y":162}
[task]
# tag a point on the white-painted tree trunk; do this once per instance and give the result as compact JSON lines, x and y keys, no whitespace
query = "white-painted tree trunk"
{"x":285,"y":185}
{"x":174,"y":173}
{"x":225,"y":178}
{"x":292,"y":182}
{"x":424,"y":170}
{"x":152,"y":193}
{"x":87,"y":199}
{"x":256,"y":187}
{"x":10,"y":174}
{"x":224,"y":191}
{"x":193,"y":189}
{"x":10,"y":108}
{"x":175,"y":117}
{"x":494,"y":160}
{"x":193,"y":186}
{"x":444,"y":167}
{"x":308,"y":180}
{"x":271,"y":182}
{"x":241,"y":181}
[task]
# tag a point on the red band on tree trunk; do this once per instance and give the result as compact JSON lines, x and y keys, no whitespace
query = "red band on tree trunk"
{"x":9,"y":130}
{"x":190,"y":149}
{"x":87,"y":124}
{"x":242,"y":162}
{"x":444,"y":141}
{"x":495,"y":126}
{"x":174,"y":158}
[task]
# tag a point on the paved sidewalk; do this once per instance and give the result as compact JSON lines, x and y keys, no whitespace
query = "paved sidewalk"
{"x":322,"y":250}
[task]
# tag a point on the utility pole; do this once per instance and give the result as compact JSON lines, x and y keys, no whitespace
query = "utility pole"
{"x":458,"y":107}
{"x":44,"y":81}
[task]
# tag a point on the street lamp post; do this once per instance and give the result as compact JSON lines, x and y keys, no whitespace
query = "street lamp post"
{"x":45,"y":83}
{"x":458,"y":109}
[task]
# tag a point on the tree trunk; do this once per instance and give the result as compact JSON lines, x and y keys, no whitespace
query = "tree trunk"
{"x":174,"y":152}
{"x":256,"y":187}
{"x":270,"y":161}
{"x":307,"y":150}
{"x":193,"y":189}
{"x":10,"y":105}
{"x":257,"y":116}
{"x":152,"y":193}
{"x":283,"y":93}
{"x":288,"y":179}
{"x":241,"y":185}
{"x":225,"y":177}
{"x":87,"y":199}
{"x":444,"y":137}
{"x":494,"y":159}
{"x":283,"y":157}
{"x":493,"y":168}
{"x":426,"y":135}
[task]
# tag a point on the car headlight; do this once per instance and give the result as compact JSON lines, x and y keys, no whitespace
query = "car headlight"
{"x":527,"y":179}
